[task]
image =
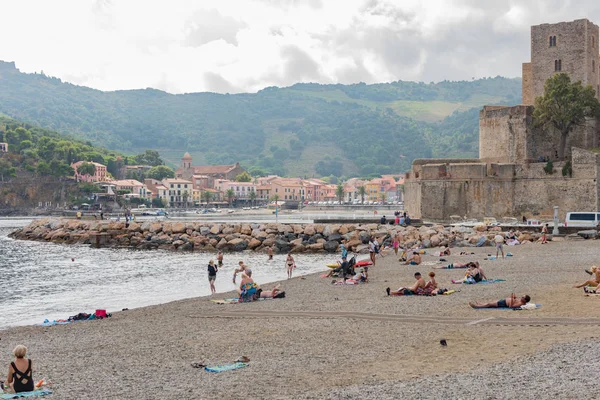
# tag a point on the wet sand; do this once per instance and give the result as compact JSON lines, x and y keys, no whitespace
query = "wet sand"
{"x":326,"y":341}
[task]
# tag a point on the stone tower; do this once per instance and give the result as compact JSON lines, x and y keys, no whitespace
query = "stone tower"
{"x":570,"y":47}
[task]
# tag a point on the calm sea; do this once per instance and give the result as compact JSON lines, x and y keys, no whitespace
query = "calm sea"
{"x":39,"y":280}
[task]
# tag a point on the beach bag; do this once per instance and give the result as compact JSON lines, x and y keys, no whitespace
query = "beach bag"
{"x":101,"y":314}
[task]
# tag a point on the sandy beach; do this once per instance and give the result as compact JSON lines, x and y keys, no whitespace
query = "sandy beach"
{"x":326,"y":341}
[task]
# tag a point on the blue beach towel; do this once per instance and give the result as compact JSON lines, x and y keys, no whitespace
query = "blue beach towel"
{"x":226,"y":367}
{"x":492,"y":281}
{"x":35,"y":393}
{"x":53,"y":323}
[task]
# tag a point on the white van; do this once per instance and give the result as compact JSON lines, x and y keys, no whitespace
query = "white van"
{"x":582,"y":219}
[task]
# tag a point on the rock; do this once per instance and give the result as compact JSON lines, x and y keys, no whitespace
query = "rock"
{"x":588,"y":234}
{"x":246,"y":230}
{"x":298,"y":249}
{"x":254,"y":243}
{"x":525,"y":237}
{"x":222,"y":244}
{"x":426,"y":243}
{"x":327,"y":230}
{"x":238,"y":244}
{"x":364,"y":237}
{"x":282,"y":246}
{"x":335,"y":237}
{"x":204,"y":230}
{"x":343,"y":230}
{"x":480,"y":228}
{"x":186,"y":247}
{"x":331,"y":246}
{"x":298,"y":229}
{"x":281,"y":228}
{"x":178,"y":227}
{"x":269,"y":242}
{"x":215,"y":229}
{"x":352,"y":244}
{"x":178,"y":243}
{"x":315,"y":247}
{"x":296,"y":242}
{"x":228,"y":230}
{"x":362,"y":249}
{"x":155,"y":227}
{"x":309,"y":230}
{"x":435,"y":241}
{"x":319,"y":228}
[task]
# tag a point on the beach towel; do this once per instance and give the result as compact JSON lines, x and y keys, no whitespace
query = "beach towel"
{"x":529,"y":307}
{"x":226,"y":367}
{"x":488,"y":281}
{"x":41,"y":392}
{"x":429,"y":263}
{"x":55,"y":322}
{"x":237,"y":300}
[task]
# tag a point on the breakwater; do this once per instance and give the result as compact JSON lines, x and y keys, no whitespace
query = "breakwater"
{"x":283,"y":238}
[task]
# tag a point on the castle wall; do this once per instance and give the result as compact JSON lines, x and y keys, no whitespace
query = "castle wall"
{"x":506,"y":190}
{"x":503,"y":133}
{"x":527,"y":85}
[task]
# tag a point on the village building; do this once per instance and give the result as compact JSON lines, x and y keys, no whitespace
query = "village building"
{"x":98,"y":176}
{"x":157,"y":190}
{"x":180,"y":192}
{"x":508,"y":178}
{"x":132,"y":188}
{"x":187,"y":170}
{"x":241,"y":190}
{"x":3,"y":147}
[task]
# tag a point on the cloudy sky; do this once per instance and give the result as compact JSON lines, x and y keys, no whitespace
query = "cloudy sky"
{"x":245,"y":45}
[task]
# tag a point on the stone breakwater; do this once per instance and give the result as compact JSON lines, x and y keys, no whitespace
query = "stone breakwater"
{"x":296,"y":238}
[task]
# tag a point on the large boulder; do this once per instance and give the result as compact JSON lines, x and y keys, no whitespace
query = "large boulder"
{"x":215,"y":229}
{"x":178,"y":227}
{"x":335,"y":237}
{"x":352,"y":244}
{"x":254,"y":243}
{"x":282,"y":228}
{"x":282,"y":246}
{"x":364,"y":236}
{"x":238,"y":244}
{"x":435,"y":240}
{"x":222,"y":244}
{"x":246,"y":229}
{"x":204,"y":230}
{"x":228,"y":230}
{"x":309,"y":230}
{"x":315,"y":247}
{"x":331,"y":246}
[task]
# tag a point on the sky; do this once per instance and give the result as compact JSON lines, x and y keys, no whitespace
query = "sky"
{"x":233,"y":46}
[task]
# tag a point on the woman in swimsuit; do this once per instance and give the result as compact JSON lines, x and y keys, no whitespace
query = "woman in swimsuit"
{"x":396,"y":243}
{"x":20,"y":375}
{"x":291,"y":264}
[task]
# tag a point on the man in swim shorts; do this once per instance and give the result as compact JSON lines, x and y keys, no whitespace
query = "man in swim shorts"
{"x":417,"y":288}
{"x":414,"y":259}
{"x":509,"y":302}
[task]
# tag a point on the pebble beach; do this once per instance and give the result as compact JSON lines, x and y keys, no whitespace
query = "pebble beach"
{"x":344,"y":342}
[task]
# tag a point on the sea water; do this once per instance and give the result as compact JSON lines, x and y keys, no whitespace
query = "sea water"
{"x":41,"y":280}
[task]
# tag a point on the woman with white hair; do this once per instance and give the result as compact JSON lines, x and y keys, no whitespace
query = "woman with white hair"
{"x":20,"y":376}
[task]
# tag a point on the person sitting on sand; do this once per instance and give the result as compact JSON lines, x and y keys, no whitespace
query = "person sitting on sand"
{"x":417,"y":288}
{"x":248,"y":289}
{"x":474,"y":274}
{"x":445,"y":252}
{"x":510,"y":302}
{"x":414,"y":259}
{"x":363,"y":276}
{"x":242,"y":268}
{"x":592,"y":282}
{"x":20,"y":374}
{"x":431,"y":286}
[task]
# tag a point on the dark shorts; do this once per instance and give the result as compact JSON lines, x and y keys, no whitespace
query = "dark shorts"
{"x":408,"y":292}
{"x":502,"y":303}
{"x":220,"y":263}
{"x":270,"y":256}
{"x":212,"y":277}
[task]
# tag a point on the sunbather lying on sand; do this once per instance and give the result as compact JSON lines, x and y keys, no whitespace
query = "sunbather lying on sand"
{"x":417,"y":288}
{"x":445,"y":252}
{"x":273,"y":293}
{"x":509,"y":302}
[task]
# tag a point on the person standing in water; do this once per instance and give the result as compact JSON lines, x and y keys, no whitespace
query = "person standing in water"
{"x":270,"y":253}
{"x":212,"y":275}
{"x":220,"y":259}
{"x":290,"y":264}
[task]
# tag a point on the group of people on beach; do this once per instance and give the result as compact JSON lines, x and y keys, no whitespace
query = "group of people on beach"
{"x":246,"y":286}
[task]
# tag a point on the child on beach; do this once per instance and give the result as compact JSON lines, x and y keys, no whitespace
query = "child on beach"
{"x":242,"y":268}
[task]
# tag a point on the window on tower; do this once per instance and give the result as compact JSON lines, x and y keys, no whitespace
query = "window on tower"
{"x":557,"y":65}
{"x":552,"y":41}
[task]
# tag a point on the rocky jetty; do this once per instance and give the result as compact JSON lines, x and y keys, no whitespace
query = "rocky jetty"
{"x":296,"y":238}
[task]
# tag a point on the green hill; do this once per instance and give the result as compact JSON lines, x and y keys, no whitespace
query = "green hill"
{"x":305,"y":129}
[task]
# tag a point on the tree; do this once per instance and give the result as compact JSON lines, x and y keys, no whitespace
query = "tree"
{"x":185,"y":195}
{"x":230,"y":194}
{"x":252,"y":196}
{"x":160,"y":172}
{"x":339,"y":192}
{"x":149,"y":157}
{"x":275,"y":198}
{"x":158,"y":202}
{"x":6,"y":170}
{"x":86,"y":169}
{"x":362,"y":191}
{"x":206,"y":196}
{"x":564,"y":106}
{"x":243,"y":177}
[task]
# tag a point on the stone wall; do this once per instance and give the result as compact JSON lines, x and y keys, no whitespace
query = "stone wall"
{"x":508,"y":190}
{"x":527,"y":85}
{"x":503,"y":134}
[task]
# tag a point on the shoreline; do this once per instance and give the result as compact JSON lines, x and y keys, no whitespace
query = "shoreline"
{"x":301,"y":357}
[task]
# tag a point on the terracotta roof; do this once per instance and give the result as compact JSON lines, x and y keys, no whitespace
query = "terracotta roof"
{"x":212,"y":169}
{"x":127,"y":182}
{"x":187,"y":156}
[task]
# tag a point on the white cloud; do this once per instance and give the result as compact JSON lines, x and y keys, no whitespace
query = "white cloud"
{"x":246,"y":45}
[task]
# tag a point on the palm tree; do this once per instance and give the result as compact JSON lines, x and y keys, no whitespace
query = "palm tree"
{"x":230,"y":195}
{"x":275,"y":198}
{"x":362,"y":191}
{"x":339,"y":192}
{"x":252,"y":197}
{"x":206,"y":196}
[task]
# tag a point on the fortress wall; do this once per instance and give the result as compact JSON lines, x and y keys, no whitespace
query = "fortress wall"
{"x":527,"y":85}
{"x":504,"y":171}
{"x":433,"y":171}
{"x":503,"y":134}
{"x":467,"y":171}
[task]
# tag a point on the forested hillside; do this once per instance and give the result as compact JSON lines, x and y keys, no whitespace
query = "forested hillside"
{"x":305,"y":129}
